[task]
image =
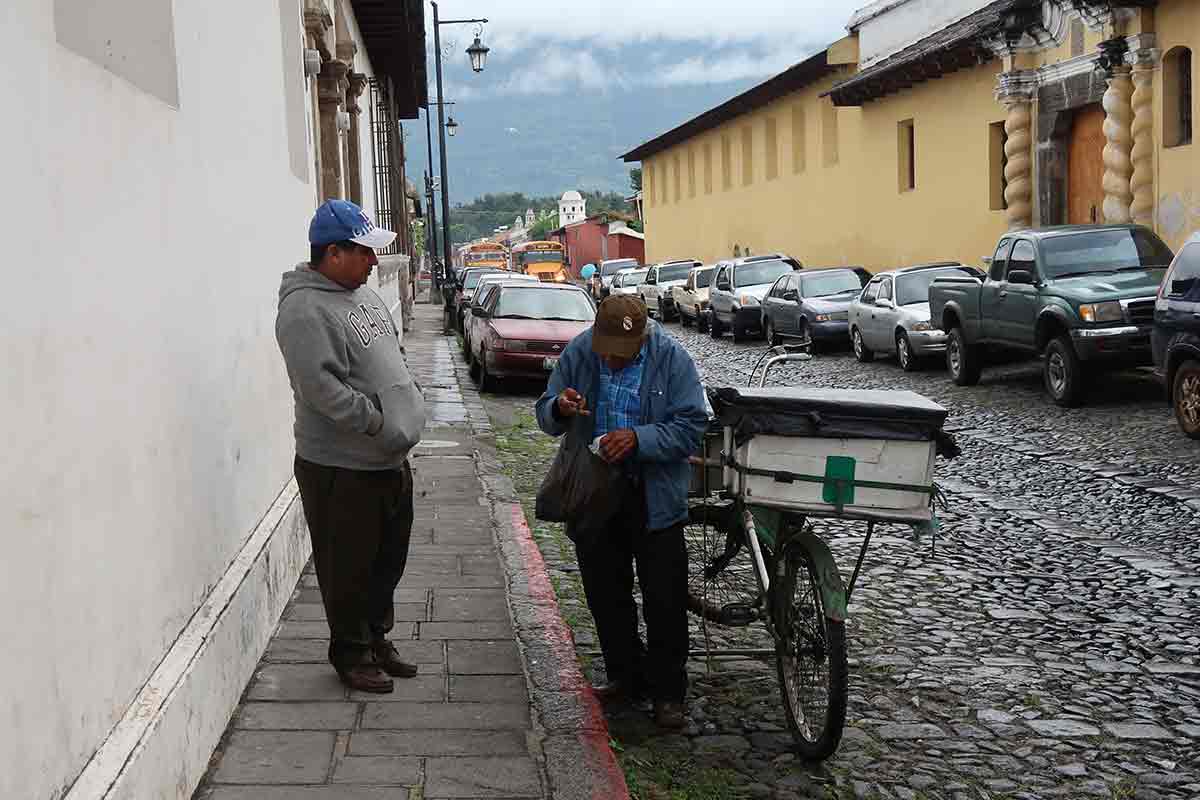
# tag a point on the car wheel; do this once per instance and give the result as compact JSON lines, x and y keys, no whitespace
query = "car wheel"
{"x":701,"y":320}
{"x":962,"y":360}
{"x":1186,"y":393}
{"x":714,"y":326}
{"x":861,"y":352}
{"x":904,"y":353}
{"x":473,"y":367}
{"x":806,"y":337}
{"x":1062,"y":372}
{"x":773,"y":339}
{"x":487,"y":383}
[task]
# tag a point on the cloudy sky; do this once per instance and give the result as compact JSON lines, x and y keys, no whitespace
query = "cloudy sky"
{"x":540,"y":47}
{"x":569,"y":86}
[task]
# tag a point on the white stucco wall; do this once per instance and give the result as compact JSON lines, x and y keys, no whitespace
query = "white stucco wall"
{"x":888,"y":26}
{"x":147,"y":414}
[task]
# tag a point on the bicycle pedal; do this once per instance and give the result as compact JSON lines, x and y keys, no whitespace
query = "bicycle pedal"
{"x":738,"y":614}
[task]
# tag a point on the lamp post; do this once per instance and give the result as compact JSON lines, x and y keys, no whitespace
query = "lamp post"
{"x":431,"y":239}
{"x":478,"y":55}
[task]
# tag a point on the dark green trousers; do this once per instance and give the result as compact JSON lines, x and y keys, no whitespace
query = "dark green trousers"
{"x":360,"y":523}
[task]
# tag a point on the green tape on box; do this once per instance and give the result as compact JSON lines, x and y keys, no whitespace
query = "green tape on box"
{"x":839,"y":468}
{"x":767,"y":522}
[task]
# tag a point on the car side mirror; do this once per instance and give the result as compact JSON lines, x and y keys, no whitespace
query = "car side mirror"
{"x":792,"y":295}
{"x":883,"y":302}
{"x":1021,"y":277}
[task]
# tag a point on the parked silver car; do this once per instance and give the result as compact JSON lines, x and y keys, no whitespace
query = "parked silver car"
{"x":891,"y":315}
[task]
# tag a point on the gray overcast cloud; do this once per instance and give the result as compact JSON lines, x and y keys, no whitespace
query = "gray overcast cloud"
{"x":540,"y":46}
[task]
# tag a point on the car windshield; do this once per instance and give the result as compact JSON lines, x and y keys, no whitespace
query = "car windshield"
{"x":914,"y":288}
{"x":1103,"y":251}
{"x":632,"y":278}
{"x":704,"y":278}
{"x":674,"y":272}
{"x":613,"y":267}
{"x":519,"y":302}
{"x":835,"y":282}
{"x":472,"y":278}
{"x":760,"y":272}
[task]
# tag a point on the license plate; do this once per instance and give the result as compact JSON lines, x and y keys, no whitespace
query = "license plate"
{"x":548,"y":363}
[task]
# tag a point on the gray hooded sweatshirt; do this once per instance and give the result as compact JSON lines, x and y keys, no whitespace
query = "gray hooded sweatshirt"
{"x":356,"y":405}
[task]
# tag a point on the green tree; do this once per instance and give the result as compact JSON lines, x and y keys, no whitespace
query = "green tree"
{"x":635,"y":179}
{"x":418,"y":236}
{"x":541,"y":229}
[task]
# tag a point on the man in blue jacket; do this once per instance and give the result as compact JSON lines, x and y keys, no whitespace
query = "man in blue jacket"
{"x":636,"y":389}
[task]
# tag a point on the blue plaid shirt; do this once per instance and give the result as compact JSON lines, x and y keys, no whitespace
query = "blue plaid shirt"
{"x":619,"y":400}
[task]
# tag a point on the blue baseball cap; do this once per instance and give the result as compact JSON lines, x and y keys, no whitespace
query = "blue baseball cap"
{"x":341,"y":220}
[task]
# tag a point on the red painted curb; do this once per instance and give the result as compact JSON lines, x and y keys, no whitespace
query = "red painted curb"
{"x":610,"y":783}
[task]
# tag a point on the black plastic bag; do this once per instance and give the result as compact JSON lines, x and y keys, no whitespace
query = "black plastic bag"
{"x":580,"y":485}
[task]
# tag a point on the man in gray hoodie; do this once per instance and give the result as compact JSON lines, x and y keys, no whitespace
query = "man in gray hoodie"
{"x":358,"y":414}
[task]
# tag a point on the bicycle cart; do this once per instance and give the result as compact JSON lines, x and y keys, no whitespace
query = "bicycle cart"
{"x":772,"y":462}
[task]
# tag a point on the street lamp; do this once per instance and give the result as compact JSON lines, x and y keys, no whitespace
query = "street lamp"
{"x":478,"y":54}
{"x":451,"y":127}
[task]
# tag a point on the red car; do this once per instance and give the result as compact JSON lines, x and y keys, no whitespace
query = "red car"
{"x":523,"y":328}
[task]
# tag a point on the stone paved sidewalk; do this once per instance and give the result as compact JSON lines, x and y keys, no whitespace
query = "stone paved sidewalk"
{"x":465,"y":727}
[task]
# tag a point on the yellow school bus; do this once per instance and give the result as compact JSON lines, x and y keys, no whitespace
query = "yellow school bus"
{"x":542,"y":259}
{"x":483,"y":255}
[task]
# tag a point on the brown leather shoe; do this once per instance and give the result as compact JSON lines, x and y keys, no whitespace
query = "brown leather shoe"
{"x":389,"y":660}
{"x":366,"y":678}
{"x":669,"y":715}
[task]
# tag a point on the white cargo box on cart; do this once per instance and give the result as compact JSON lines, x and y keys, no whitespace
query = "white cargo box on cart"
{"x":802,"y":449}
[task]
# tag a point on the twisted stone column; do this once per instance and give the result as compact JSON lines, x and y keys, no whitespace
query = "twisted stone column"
{"x":1141,"y":182}
{"x":1018,"y":168}
{"x":1118,"y":168}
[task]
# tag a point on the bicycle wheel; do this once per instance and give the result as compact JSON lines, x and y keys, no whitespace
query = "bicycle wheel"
{"x":811,"y":658}
{"x":722,"y":586}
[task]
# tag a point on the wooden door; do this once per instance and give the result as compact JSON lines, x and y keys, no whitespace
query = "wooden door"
{"x":1085,"y":167}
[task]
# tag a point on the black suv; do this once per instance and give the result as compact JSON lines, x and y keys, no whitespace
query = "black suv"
{"x":1176,"y":337}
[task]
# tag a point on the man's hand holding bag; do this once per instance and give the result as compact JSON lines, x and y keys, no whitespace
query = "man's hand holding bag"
{"x":580,"y":486}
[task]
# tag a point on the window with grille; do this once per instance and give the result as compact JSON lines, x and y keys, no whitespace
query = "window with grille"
{"x":390,"y":193}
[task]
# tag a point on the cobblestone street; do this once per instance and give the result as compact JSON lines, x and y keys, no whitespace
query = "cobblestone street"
{"x":1048,"y":647}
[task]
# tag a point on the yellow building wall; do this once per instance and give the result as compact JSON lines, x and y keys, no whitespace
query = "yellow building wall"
{"x":841,"y":202}
{"x":1177,"y":24}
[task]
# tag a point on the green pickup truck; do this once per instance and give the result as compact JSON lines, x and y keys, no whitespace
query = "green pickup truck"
{"x":1080,"y":296}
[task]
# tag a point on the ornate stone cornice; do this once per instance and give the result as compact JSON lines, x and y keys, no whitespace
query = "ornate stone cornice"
{"x":347,"y":50}
{"x":317,"y":23}
{"x":1019,"y":85}
{"x":1143,"y":50}
{"x":1112,"y":55}
{"x":332,"y":82}
{"x":357,"y":83}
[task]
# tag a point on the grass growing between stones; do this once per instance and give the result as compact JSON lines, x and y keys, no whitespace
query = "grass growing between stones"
{"x":666,"y":774}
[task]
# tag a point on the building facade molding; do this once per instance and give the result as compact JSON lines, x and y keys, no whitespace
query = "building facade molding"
{"x":332,"y":83}
{"x":318,"y":23}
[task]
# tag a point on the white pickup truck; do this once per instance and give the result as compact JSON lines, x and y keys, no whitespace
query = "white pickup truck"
{"x":655,"y":290}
